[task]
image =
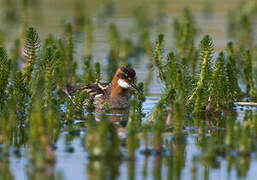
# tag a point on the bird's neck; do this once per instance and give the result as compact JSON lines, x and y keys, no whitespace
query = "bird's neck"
{"x":116,"y":90}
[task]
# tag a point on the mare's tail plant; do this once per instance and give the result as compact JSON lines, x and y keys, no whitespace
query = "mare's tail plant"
{"x":97,"y":72}
{"x":178,"y":119}
{"x":184,"y":34}
{"x":158,"y":59}
{"x":89,"y":39}
{"x":69,"y":43}
{"x":89,"y":75}
{"x":167,"y":75}
{"x":148,"y":51}
{"x":158,"y":128}
{"x":1,"y":38}
{"x":177,"y":106}
{"x":170,"y":72}
{"x":102,"y":139}
{"x":60,"y":66}
{"x":234,"y":91}
{"x":240,"y":23}
{"x":218,"y":90}
{"x":125,"y":52}
{"x":132,"y":130}
{"x":21,"y":93}
{"x":69,"y":76}
{"x":40,"y":151}
{"x":79,"y":100}
{"x":139,"y":101}
{"x":50,"y":52}
{"x":201,"y":90}
{"x":15,"y":54}
{"x":114,"y":51}
{"x":88,"y":72}
{"x":32,"y":47}
{"x":166,"y":96}
{"x":251,"y":90}
{"x":73,"y":72}
{"x":4,"y":73}
{"x":7,"y":123}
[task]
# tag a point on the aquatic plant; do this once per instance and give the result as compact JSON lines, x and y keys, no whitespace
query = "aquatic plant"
{"x":4,"y":74}
{"x":69,"y":43}
{"x":34,"y":111}
{"x":160,"y":14}
{"x":1,"y":38}
{"x":158,"y":59}
{"x":50,"y":52}
{"x":208,"y":9}
{"x":170,"y":74}
{"x":89,"y":39}
{"x":132,"y":130}
{"x":178,"y":120}
{"x":240,"y":23}
{"x":139,"y":103}
{"x":167,"y":76}
{"x":5,"y":170}
{"x":79,"y":101}
{"x":88,"y":73}
{"x":60,"y":71}
{"x":32,"y":47}
{"x":10,"y":10}
{"x":176,"y":159}
{"x":142,"y":19}
{"x":218,"y":85}
{"x":125,"y":51}
{"x":102,"y":140}
{"x":234,"y":91}
{"x":248,"y":72}
{"x":107,"y":10}
{"x":205,"y":74}
{"x":148,"y":51}
{"x":70,"y":111}
{"x":158,"y":106}
{"x":15,"y":54}
{"x":245,"y":144}
{"x":213,"y":90}
{"x":73,"y":72}
{"x":40,"y":151}
{"x":7,"y":125}
{"x":254,"y":125}
{"x":158,"y":128}
{"x":229,"y":138}
{"x":184,"y":34}
{"x":68,"y":55}
{"x":21,"y":93}
{"x":79,"y":17}
{"x":113,"y":59}
{"x":53,"y":122}
{"x":97,"y":72}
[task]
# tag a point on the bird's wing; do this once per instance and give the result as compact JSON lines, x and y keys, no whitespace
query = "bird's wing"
{"x":93,"y":90}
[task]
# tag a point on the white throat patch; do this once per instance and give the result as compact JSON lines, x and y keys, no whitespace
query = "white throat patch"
{"x":123,"y":84}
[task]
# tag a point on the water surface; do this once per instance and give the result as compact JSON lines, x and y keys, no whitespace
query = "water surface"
{"x":184,"y":159}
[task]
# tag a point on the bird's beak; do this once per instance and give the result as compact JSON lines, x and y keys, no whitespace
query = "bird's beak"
{"x":134,"y":86}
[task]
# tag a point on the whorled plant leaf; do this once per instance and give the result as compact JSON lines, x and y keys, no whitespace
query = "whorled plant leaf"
{"x":32,"y":47}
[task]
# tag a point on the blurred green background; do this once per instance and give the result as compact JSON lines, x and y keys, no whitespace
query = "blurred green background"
{"x":48,"y":16}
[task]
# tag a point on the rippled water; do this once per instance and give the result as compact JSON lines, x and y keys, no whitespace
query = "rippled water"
{"x":71,"y":160}
{"x":73,"y":163}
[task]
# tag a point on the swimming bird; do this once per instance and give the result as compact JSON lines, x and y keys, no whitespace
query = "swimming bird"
{"x":116,"y":93}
